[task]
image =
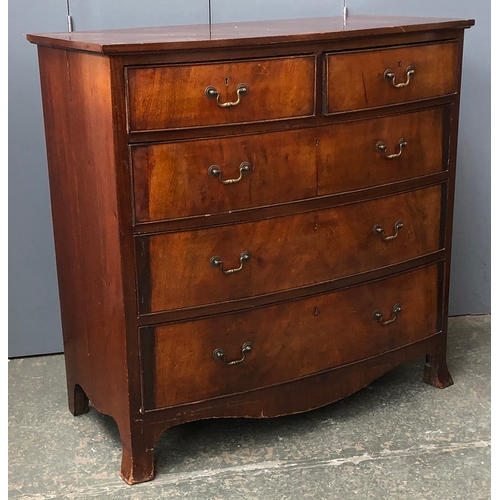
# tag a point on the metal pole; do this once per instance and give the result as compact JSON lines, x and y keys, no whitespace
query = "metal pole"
{"x":70,"y":19}
{"x":210,"y":17}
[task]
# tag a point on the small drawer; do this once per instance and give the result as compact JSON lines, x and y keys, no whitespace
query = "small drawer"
{"x":198,"y":177}
{"x":233,"y":353}
{"x":201,"y":267}
{"x":199,"y":95}
{"x":372,"y":78}
{"x":367,"y":153}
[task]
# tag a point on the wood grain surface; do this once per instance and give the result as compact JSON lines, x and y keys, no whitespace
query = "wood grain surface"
{"x":355,"y":80}
{"x":171,"y":97}
{"x":148,"y":40}
{"x":171,"y":180}
{"x":306,"y":337}
{"x":286,"y":252}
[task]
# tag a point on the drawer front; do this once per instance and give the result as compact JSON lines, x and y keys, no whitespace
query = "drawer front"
{"x":307,"y":336}
{"x":198,"y":177}
{"x":171,"y":97}
{"x":355,"y":80}
{"x":200,"y":267}
{"x":218,"y":175}
{"x":367,"y":153}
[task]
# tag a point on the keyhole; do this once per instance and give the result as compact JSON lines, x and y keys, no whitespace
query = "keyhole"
{"x":315,"y":311}
{"x":315,"y":226}
{"x":317,"y":142}
{"x":399,"y":64}
{"x":226,"y":81}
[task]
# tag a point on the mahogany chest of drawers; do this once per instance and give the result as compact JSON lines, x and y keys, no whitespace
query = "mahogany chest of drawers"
{"x":250,"y":220}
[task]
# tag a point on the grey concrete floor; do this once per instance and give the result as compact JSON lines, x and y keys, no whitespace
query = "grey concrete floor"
{"x":396,"y":439}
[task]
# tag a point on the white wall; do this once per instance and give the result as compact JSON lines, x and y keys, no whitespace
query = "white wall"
{"x":34,"y":322}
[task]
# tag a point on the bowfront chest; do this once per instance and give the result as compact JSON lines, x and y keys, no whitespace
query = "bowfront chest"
{"x":250,"y":220}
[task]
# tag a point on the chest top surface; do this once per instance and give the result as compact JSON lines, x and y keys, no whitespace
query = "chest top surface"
{"x":136,"y":40}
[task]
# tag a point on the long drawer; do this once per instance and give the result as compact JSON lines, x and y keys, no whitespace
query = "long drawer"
{"x":372,"y":78}
{"x":196,"y":177}
{"x":192,"y":361}
{"x":198,"y":267}
{"x":197,"y":95}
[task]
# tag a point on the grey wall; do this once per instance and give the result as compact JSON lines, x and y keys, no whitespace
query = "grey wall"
{"x":470,"y":284}
{"x":34,"y":322}
{"x":111,"y":14}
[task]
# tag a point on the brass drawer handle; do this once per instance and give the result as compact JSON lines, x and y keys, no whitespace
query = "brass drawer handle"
{"x":378,"y":316}
{"x":216,"y":261}
{"x":379,"y":231}
{"x":215,"y":171}
{"x":212,"y":93}
{"x":220,"y":354}
{"x":380,"y":146}
{"x":391,"y":77}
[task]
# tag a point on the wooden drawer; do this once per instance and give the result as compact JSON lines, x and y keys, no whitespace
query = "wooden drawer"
{"x":171,"y":97}
{"x":179,"y":270}
{"x":355,"y":80}
{"x":173,"y":180}
{"x":308,"y":336}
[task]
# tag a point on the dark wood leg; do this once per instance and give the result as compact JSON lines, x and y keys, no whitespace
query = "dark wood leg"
{"x":77,"y":399}
{"x":436,"y":372}
{"x":137,"y":457}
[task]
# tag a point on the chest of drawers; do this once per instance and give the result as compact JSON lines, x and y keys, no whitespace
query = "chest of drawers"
{"x":251,"y":220}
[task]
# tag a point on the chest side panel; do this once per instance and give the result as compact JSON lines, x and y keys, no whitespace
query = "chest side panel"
{"x":77,"y":97}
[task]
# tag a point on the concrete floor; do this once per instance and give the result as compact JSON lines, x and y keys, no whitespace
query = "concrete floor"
{"x":396,"y":439}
